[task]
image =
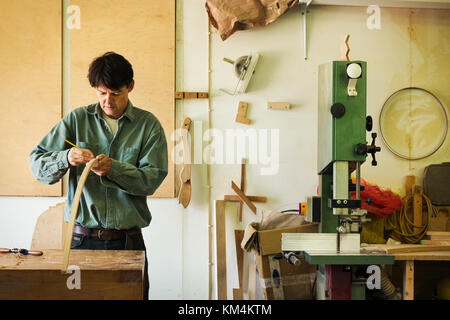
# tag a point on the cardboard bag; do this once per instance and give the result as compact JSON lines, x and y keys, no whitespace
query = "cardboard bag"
{"x":229,"y":16}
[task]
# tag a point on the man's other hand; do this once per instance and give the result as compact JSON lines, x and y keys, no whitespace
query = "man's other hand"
{"x":78,"y":156}
{"x":103,"y":166}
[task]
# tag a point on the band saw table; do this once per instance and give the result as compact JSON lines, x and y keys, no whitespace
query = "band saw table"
{"x":103,"y":274}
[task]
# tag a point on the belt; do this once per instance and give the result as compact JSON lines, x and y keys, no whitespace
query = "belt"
{"x":106,"y":234}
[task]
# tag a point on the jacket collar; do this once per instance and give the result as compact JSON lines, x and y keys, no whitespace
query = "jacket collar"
{"x":95,"y":109}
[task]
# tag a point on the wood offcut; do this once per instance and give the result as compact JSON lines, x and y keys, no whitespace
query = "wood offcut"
{"x":184,"y":196}
{"x":74,"y":212}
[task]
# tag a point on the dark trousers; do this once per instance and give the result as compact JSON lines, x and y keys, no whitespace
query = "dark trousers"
{"x":80,"y":241}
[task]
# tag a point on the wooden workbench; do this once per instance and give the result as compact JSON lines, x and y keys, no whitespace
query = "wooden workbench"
{"x":105,"y":274}
{"x":407,"y":259}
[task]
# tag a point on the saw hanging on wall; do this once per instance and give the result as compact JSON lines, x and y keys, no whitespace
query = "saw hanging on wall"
{"x":244,"y":67}
{"x":184,"y":196}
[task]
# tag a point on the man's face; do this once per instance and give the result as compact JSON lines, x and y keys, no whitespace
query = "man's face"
{"x":113,"y":102}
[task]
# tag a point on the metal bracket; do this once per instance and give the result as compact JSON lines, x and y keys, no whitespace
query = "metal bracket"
{"x":304,"y":11}
{"x":351,"y":88}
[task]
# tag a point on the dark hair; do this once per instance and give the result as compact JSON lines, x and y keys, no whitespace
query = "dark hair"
{"x":110,"y":70}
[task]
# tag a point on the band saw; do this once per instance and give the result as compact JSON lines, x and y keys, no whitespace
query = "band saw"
{"x":342,"y":149}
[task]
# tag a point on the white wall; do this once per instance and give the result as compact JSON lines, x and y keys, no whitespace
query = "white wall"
{"x":177,"y":239}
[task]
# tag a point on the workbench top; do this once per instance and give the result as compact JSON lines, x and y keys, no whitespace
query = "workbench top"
{"x":100,"y":274}
{"x":85,"y":259}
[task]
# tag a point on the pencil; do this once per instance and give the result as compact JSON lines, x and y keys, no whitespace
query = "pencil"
{"x":72,"y":144}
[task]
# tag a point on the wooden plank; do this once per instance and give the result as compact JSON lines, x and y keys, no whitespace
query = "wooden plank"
{"x":30,"y":78}
{"x":438,"y":233}
{"x":279,"y":105}
{"x":242,"y":187}
{"x":251,"y":198}
{"x":221,"y":253}
{"x":417,"y":208}
{"x":105,"y":274}
{"x":406,"y":254}
{"x":419,"y":248}
{"x":243,"y":197}
{"x":145,"y":36}
{"x":252,"y":280}
{"x":409,"y":185}
{"x":326,"y":242}
{"x":408,"y":280}
{"x":237,"y":294}
{"x":436,"y":242}
{"x":190,"y":95}
{"x":439,"y":238}
{"x":179,"y":95}
{"x":238,"y":236}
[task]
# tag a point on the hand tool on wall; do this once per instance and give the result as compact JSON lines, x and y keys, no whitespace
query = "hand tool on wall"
{"x":184,"y":196}
{"x":244,"y":67}
{"x":24,"y":252}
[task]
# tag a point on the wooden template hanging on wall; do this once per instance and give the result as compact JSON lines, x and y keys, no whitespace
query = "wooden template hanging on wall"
{"x":30,"y":82}
{"x":143,"y":31}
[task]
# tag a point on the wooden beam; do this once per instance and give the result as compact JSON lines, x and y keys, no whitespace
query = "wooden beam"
{"x":237,"y":294}
{"x":417,"y":208}
{"x":242,"y":188}
{"x":243,"y":197}
{"x":238,"y":236}
{"x":408,"y":280}
{"x":251,"y":198}
{"x":409,"y":185}
{"x":221,"y":254}
{"x":418,"y":248}
{"x":278,"y":105}
{"x":252,"y":280}
{"x":190,"y":95}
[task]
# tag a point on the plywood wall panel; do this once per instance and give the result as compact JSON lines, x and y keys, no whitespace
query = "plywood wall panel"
{"x":143,"y":31}
{"x":30,"y":89}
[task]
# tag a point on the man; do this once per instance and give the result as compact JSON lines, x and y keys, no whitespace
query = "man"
{"x":131,"y":149}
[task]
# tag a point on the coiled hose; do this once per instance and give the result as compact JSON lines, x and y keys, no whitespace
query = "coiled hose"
{"x":406,"y":231}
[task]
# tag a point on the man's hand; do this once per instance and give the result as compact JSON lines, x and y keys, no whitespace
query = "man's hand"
{"x":103,"y":166}
{"x":78,"y":156}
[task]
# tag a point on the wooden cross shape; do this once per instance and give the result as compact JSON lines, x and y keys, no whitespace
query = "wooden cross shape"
{"x":240,"y":195}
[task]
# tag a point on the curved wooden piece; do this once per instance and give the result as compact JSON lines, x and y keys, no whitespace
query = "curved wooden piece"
{"x":184,"y":196}
{"x":73,"y":213}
